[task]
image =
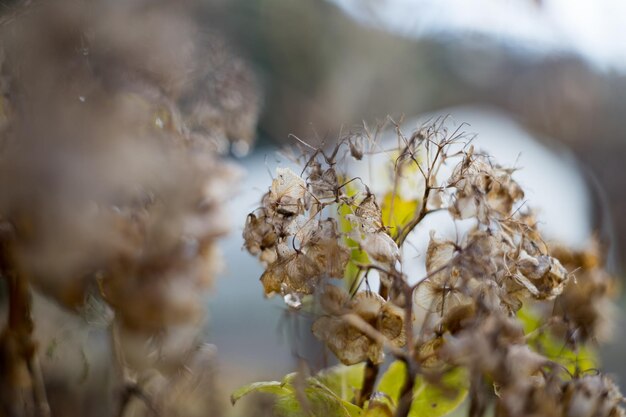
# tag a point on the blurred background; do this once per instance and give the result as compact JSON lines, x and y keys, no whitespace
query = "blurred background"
{"x":542,"y":83}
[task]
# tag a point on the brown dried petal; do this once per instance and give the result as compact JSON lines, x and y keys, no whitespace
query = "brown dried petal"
{"x":441,"y":294}
{"x":369,"y":215}
{"x":547,"y":277}
{"x":391,"y":324}
{"x":381,"y":248}
{"x":330,"y":256}
{"x":356,"y":149}
{"x":503,"y":193}
{"x":467,"y":206}
{"x":258,"y":234}
{"x":456,"y":317}
{"x":533,"y":267}
{"x":287,"y":192}
{"x":292,"y":273}
{"x":367,"y":305}
{"x":439,"y":254}
{"x":324,"y":185}
{"x":346,"y":342}
{"x":527,"y":284}
{"x":483,"y":190}
{"x":334,"y":300}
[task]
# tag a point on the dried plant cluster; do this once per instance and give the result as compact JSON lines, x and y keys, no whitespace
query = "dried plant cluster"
{"x":494,"y":304}
{"x":113,"y":193}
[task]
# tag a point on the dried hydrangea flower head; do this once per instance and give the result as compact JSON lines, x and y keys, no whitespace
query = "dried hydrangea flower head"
{"x":290,"y":234}
{"x":475,"y":307}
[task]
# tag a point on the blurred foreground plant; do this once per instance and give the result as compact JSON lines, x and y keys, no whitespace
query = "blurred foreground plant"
{"x":112,"y":115}
{"x":499,"y":317}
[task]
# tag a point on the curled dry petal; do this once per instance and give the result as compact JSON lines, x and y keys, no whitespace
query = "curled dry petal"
{"x":442,"y":293}
{"x":381,"y":248}
{"x":367,"y":305}
{"x":293,"y":272}
{"x":391,"y":323}
{"x":330,"y":256}
{"x":323,"y":184}
{"x":482,"y":190}
{"x":369,"y":215}
{"x":439,"y":254}
{"x":258,"y":234}
{"x":543,"y":276}
{"x":334,"y":299}
{"x":324,"y":246}
{"x":287,"y":192}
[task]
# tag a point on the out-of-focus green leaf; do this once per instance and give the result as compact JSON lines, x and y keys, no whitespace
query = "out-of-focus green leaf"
{"x":429,"y":400}
{"x":344,"y":381}
{"x":319,"y":403}
{"x":554,"y":348}
{"x":397,"y":212}
{"x":270,"y":387}
{"x":392,"y":380}
{"x":329,"y":394}
{"x":308,"y":398}
{"x":379,"y":406}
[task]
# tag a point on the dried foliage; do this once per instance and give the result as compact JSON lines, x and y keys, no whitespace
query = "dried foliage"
{"x":495,"y":304}
{"x":111,"y":118}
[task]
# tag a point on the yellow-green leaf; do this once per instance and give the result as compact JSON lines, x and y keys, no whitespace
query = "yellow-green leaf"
{"x":270,"y":387}
{"x":554,"y":348}
{"x":429,"y":400}
{"x":397,"y":212}
{"x":379,"y":406}
{"x":392,"y":380}
{"x":344,"y":381}
{"x":308,"y":398}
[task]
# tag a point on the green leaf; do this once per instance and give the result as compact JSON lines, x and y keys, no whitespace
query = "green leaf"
{"x":429,"y":400}
{"x":344,"y":381}
{"x":310,"y":397}
{"x":392,"y":380}
{"x":545,"y":343}
{"x":379,"y":406}
{"x":270,"y":387}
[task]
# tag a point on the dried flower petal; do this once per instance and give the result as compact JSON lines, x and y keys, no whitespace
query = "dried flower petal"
{"x":347,"y":342}
{"x":287,"y":192}
{"x":293,"y":272}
